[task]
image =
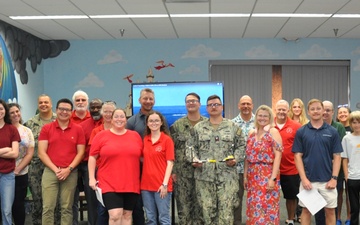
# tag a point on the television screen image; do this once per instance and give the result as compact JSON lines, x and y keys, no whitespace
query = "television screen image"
{"x":170,"y":96}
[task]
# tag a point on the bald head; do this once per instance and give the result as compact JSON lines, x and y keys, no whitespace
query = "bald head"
{"x":245,"y":106}
{"x":245,"y":97}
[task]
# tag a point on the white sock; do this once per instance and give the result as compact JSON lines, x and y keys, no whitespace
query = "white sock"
{"x":291,"y":221}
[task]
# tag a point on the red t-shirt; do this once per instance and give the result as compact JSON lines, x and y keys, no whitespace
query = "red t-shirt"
{"x":88,"y":125}
{"x":77,"y":120}
{"x":155,"y":161}
{"x":62,"y":144}
{"x":8,"y":134}
{"x":119,"y":161}
{"x":94,"y":132}
{"x":288,"y":131}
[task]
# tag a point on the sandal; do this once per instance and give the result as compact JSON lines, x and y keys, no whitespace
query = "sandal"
{"x":298,"y":220}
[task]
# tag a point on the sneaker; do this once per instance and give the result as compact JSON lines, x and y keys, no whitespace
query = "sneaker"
{"x":338,"y":222}
{"x":347,"y":222}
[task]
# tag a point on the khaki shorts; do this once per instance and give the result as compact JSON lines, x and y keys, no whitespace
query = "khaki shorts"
{"x":330,"y":195}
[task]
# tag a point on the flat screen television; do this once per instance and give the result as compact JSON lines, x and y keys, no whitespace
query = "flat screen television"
{"x":170,"y":96}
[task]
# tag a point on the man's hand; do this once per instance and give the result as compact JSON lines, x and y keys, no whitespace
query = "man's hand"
{"x":331,"y":184}
{"x":173,"y":176}
{"x":197,"y":164}
{"x":306,"y":184}
{"x":63,"y":173}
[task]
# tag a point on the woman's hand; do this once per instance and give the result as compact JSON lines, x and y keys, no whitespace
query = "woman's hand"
{"x":163,"y":191}
{"x":271,"y":185}
{"x":93,"y":183}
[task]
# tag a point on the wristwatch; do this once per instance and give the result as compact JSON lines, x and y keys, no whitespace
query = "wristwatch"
{"x":274,"y":179}
{"x":164,"y":185}
{"x":71,"y":169}
{"x":334,"y":177}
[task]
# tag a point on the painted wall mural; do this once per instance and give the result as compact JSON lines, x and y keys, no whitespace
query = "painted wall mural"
{"x":8,"y":88}
{"x":22,"y":47}
{"x":106,"y":68}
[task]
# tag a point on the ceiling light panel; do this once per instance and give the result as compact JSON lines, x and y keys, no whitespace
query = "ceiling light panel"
{"x":321,"y":6}
{"x":96,"y":7}
{"x":231,"y":6}
{"x":276,"y":6}
{"x":54,"y":7}
{"x":146,"y":6}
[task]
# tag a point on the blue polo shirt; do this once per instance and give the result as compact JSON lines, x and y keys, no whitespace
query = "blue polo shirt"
{"x":318,"y":147}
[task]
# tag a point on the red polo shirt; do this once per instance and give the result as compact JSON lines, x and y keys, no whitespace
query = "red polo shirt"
{"x":77,"y":120}
{"x":62,"y":144}
{"x":88,"y":125}
{"x":155,"y":161}
{"x":287,"y":132}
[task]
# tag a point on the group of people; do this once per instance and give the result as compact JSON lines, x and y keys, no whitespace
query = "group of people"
{"x":270,"y":150}
{"x":138,"y":162}
{"x":79,"y":147}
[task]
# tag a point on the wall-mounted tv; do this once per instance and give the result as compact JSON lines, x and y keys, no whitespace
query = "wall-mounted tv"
{"x":170,"y":96}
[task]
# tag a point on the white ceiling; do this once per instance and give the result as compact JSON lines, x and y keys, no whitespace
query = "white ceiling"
{"x":165,"y":28}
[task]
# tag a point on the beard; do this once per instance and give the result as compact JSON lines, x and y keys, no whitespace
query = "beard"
{"x":96,"y":116}
{"x":80,"y":108}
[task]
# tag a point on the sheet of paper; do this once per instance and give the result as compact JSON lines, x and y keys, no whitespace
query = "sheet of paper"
{"x":312,"y":200}
{"x":99,"y":195}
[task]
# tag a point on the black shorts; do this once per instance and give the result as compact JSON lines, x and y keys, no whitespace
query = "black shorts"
{"x":290,"y":185}
{"x":114,"y":200}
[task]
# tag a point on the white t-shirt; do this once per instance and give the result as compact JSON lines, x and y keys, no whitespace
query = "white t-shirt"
{"x":351,"y":147}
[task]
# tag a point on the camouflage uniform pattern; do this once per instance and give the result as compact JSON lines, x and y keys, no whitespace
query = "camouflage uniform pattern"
{"x":36,"y":170}
{"x":189,"y":212}
{"x":216,"y":183}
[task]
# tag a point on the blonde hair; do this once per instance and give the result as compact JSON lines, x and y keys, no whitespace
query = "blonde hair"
{"x":271,"y":115}
{"x":302,"y":118}
{"x":354,"y":116}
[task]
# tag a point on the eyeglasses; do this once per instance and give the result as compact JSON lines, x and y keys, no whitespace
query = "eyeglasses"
{"x":328,"y":110}
{"x":80,"y":100}
{"x":154,"y":121}
{"x":343,"y":106}
{"x":214,"y":105}
{"x":64,"y":109}
{"x":193,"y":101}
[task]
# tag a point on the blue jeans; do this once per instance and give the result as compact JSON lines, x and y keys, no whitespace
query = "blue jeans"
{"x":103,"y":215}
{"x":7,"y":193}
{"x":156,"y":207}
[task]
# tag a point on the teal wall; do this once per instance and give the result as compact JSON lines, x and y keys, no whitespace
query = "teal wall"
{"x":98,"y":67}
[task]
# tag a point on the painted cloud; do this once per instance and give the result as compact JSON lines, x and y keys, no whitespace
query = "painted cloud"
{"x":260,"y":52}
{"x":357,"y":66}
{"x":112,"y":57}
{"x":91,"y":80}
{"x":201,"y":51}
{"x":190,"y":70}
{"x":314,"y":52}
